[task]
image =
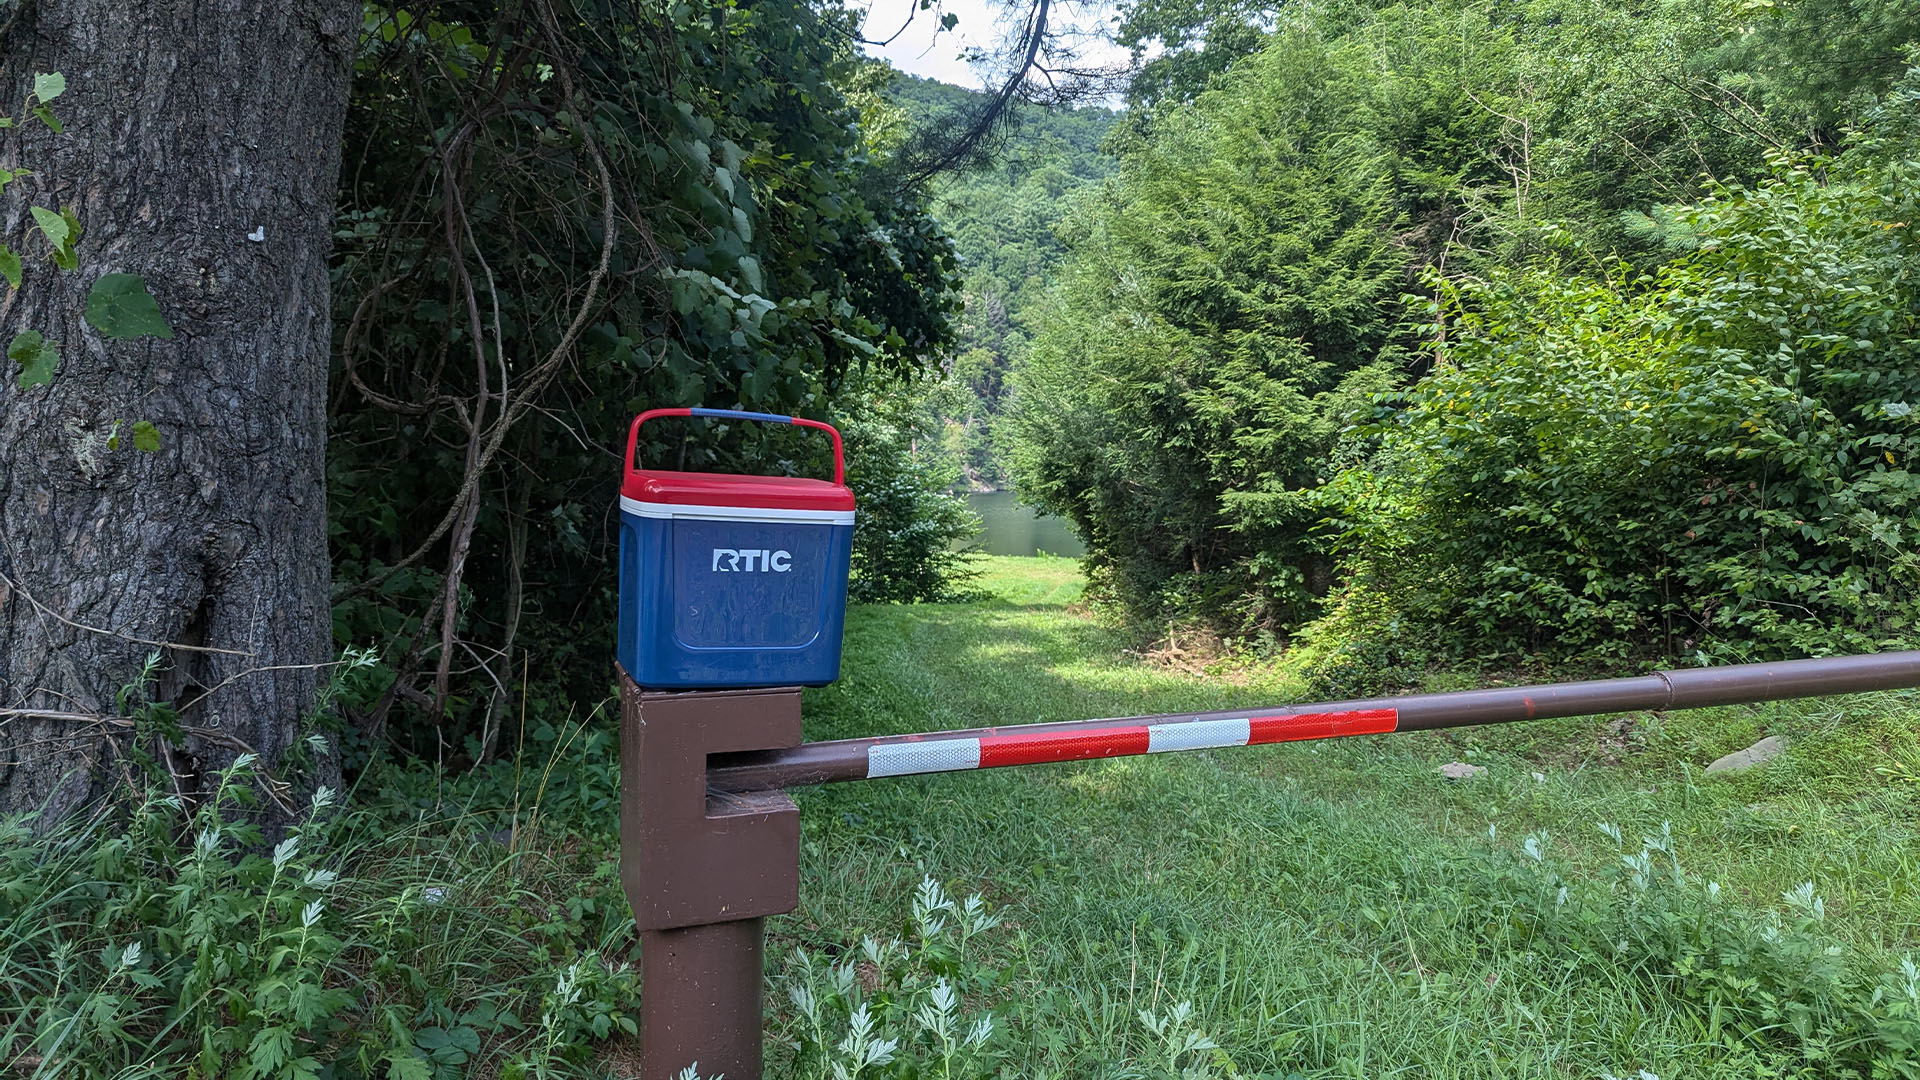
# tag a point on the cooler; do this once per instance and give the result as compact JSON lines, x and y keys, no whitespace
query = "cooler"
{"x":728,"y":580}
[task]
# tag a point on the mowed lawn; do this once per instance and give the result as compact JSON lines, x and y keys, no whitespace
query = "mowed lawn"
{"x":1338,"y":908}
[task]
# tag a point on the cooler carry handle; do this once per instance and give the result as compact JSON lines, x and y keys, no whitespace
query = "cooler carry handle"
{"x":839,"y":455}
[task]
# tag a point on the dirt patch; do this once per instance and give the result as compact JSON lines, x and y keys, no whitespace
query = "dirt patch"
{"x":620,"y":1056}
{"x":1196,"y":651}
{"x":1616,"y":738}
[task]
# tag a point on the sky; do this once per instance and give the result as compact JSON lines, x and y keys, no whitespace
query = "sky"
{"x":920,"y":51}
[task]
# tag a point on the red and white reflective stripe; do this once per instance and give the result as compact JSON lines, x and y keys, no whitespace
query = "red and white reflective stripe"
{"x":1322,"y":725}
{"x":1087,"y":744}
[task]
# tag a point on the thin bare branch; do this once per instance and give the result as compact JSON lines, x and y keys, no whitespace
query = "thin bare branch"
{"x":77,"y":625}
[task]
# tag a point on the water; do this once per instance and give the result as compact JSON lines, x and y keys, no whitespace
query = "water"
{"x":1013,"y":529}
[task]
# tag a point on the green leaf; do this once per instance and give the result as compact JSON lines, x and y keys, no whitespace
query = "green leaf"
{"x":46,"y":117}
{"x":53,"y":225}
{"x":10,"y":267}
{"x":120,"y":307}
{"x":65,"y":258}
{"x":448,"y":1047}
{"x":146,"y":437}
{"x":408,"y":1068}
{"x":37,"y":358}
{"x":49,"y":85}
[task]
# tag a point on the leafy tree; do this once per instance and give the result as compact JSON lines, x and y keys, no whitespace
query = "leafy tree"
{"x":1193,"y":41}
{"x":1267,"y":249}
{"x":1714,"y":459}
{"x":552,"y":224}
{"x":1224,"y":310}
{"x":1002,"y":218}
{"x":911,"y":533}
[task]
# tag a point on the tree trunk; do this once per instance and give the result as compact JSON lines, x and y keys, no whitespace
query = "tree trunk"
{"x":201,"y":150}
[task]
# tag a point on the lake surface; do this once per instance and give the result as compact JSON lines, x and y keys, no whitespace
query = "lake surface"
{"x":1013,"y":529}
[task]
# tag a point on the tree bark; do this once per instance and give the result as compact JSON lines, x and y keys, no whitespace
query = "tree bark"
{"x":201,"y":151}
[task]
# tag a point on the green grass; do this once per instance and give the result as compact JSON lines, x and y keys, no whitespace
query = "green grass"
{"x":1336,"y":908}
{"x":1332,"y":909}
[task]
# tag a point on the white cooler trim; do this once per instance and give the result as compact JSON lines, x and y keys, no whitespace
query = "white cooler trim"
{"x":732,"y":513}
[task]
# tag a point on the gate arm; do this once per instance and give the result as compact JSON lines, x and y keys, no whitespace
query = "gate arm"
{"x":1083,"y":740}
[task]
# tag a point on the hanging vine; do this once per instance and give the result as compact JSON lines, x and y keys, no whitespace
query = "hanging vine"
{"x":551,"y":215}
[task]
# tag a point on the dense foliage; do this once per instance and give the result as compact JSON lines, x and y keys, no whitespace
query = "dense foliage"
{"x":1002,"y":220}
{"x":908,"y":545}
{"x":551,"y":222}
{"x":1714,"y":458}
{"x":362,"y":944}
{"x":1653,"y":335}
{"x":1225,"y":312}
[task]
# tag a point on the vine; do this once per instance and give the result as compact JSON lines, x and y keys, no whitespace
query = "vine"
{"x":118,"y":305}
{"x":553,"y":215}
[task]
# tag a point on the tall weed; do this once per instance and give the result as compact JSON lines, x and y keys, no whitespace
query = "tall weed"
{"x":170,"y":942}
{"x":1772,"y":981}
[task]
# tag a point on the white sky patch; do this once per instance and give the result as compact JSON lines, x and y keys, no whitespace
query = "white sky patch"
{"x":925,"y":50}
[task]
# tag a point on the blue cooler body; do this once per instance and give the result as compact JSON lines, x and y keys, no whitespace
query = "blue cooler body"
{"x":732,"y":581}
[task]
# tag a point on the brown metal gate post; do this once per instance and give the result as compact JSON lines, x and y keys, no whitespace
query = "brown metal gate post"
{"x":702,"y":871}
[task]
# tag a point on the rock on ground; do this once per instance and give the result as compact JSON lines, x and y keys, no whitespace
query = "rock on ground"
{"x":1758,"y":754}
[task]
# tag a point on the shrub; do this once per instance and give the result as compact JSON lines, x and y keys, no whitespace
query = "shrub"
{"x":911,"y":530}
{"x":1362,"y":647}
{"x":1712,"y":459}
{"x":174,"y":942}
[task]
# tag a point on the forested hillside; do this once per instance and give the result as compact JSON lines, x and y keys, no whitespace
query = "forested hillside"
{"x":1558,"y":326}
{"x":1001,"y":219}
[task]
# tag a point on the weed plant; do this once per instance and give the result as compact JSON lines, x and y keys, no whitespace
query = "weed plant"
{"x":174,"y":943}
{"x":899,"y":1000}
{"x":1328,"y":910}
{"x":1769,"y":991}
{"x":903,"y":1008}
{"x":1771,"y":985}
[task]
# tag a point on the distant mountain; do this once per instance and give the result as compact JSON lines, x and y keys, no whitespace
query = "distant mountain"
{"x":1079,"y":130}
{"x":1002,"y":221}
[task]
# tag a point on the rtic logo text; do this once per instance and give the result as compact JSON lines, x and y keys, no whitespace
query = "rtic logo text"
{"x":752,"y":560}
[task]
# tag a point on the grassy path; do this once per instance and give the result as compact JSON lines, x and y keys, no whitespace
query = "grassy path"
{"x":1339,"y":908}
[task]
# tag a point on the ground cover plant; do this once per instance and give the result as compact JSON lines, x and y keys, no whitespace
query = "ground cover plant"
{"x":1591,"y":905}
{"x":1341,"y":909}
{"x":401,"y":938}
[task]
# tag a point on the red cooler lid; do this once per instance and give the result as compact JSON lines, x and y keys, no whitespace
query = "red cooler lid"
{"x":731,"y":489}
